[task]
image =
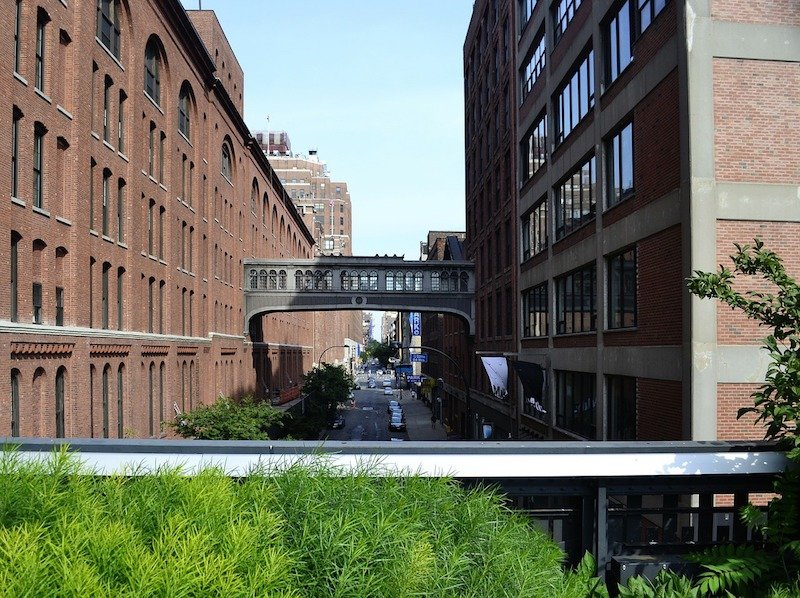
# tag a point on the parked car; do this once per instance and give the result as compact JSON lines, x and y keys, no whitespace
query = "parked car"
{"x":338,"y":422}
{"x":372,"y":383}
{"x":388,"y":391}
{"x":396,"y":423}
{"x":387,"y":382}
{"x":392,"y":404}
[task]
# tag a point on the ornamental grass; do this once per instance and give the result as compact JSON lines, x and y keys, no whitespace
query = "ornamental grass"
{"x":307,"y":531}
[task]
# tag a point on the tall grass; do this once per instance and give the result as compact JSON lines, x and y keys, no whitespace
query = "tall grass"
{"x":304,"y":532}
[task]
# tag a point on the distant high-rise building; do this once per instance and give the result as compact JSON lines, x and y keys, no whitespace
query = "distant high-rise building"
{"x":323,"y":203}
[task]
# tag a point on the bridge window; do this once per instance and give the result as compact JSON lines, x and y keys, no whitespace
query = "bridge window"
{"x":353,"y":280}
{"x":328,"y":279}
{"x":308,"y":280}
{"x":345,"y":280}
{"x":418,"y":281}
{"x":435,"y":282}
{"x":253,"y":279}
{"x":273,"y":280}
{"x":298,"y":279}
{"x":363,"y":281}
{"x":464,"y":277}
{"x":409,"y":281}
{"x":390,"y":281}
{"x":263,"y":279}
{"x":373,"y":281}
{"x":282,"y":280}
{"x":445,"y":281}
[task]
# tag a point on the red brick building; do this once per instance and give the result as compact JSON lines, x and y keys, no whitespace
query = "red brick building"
{"x":650,"y":136}
{"x":134,"y":192}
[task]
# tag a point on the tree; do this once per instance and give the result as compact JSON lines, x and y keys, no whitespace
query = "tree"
{"x":229,"y":419}
{"x":776,"y":405}
{"x":325,"y":387}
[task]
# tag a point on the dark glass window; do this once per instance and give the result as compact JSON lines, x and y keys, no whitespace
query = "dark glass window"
{"x":619,"y":160}
{"x":575,"y":99}
{"x":151,"y":390}
{"x":226,"y":161}
{"x":14,"y":267}
{"x":184,"y":123}
{"x":621,"y":408}
{"x":108,"y":25}
{"x":563,"y":12}
{"x":150,"y":303}
{"x":121,"y":123}
{"x":106,"y":200}
{"x":15,"y":375}
{"x":41,"y":26}
{"x":17,"y":115}
{"x":60,"y":402}
{"x":104,"y":294}
{"x":106,"y":382}
{"x":152,"y":71}
{"x":38,"y":165}
{"x":535,"y":302}
{"x":59,"y":306}
{"x":121,"y":210}
{"x":622,"y":290}
{"x":575,"y":301}
{"x":107,"y":84}
{"x":576,"y":199}
{"x":17,"y":26}
{"x":533,"y":150}
{"x":647,"y":11}
{"x":534,"y":66}
{"x":575,"y":402}
{"x":120,"y":298}
{"x":534,"y":230}
{"x":37,"y":303}
{"x":120,"y":395}
{"x":619,"y":42}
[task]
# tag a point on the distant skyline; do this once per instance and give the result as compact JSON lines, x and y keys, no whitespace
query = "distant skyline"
{"x":377,"y":89}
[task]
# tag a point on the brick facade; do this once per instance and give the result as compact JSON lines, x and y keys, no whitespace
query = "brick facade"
{"x":146,"y":238}
{"x":659,"y":410}
{"x":731,"y":398}
{"x":783,"y":12}
{"x":756,"y":121}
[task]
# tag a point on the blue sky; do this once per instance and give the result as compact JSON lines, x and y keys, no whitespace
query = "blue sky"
{"x":377,"y":88}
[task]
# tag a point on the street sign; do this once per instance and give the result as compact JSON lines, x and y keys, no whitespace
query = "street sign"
{"x":420,"y":357}
{"x":414,"y":378}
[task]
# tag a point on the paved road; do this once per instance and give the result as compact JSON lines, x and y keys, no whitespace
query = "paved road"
{"x":368,"y":419}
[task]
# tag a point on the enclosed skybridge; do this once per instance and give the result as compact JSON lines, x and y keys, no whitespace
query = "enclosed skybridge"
{"x":368,"y":283}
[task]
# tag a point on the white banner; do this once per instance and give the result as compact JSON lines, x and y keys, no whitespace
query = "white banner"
{"x":497,"y":369}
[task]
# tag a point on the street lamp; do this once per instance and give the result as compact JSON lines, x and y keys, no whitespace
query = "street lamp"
{"x":332,"y":347}
{"x":397,"y":345}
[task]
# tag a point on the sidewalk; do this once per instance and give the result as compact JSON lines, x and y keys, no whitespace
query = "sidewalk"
{"x":418,"y":421}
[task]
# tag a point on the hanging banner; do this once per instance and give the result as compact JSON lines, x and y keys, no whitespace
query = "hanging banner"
{"x":497,"y":369}
{"x":415,"y":320}
{"x":532,"y":377}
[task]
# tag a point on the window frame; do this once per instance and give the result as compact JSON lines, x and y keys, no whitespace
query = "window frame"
{"x":37,"y":315}
{"x":578,"y":383}
{"x":152,"y":71}
{"x":616,"y":165}
{"x":563,"y":13}
{"x":16,"y":118}
{"x":571,"y":104}
{"x":616,"y":57}
{"x":566,"y":302}
{"x":536,"y":311}
{"x":620,"y":425}
{"x":535,"y":230}
{"x":533,"y":66}
{"x":184,"y":108}
{"x":40,"y":74}
{"x":108,"y":27}
{"x":621,"y":303}
{"x":562,"y":229}
{"x":39,"y":133}
{"x":532,"y":148}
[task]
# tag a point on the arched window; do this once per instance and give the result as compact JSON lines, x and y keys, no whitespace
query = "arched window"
{"x":106,"y":382}
{"x":319,"y":280}
{"x":185,"y":102}
{"x":152,"y":70}
{"x":226,"y":161}
{"x":191,"y":385}
{"x":373,"y":281}
{"x":409,"y":281}
{"x":254,"y":278}
{"x":328,"y":279}
{"x":120,"y":394}
{"x":464,"y":278}
{"x":363,"y":281}
{"x":445,"y":281}
{"x":298,"y":280}
{"x":108,"y":25}
{"x":282,"y":279}
{"x":353,"y":280}
{"x":273,"y":280}
{"x":390,"y":281}
{"x":435,"y":282}
{"x":308,"y":280}
{"x":262,"y":279}
{"x":151,"y":396}
{"x":264,"y":209}
{"x":345,"y":280}
{"x":417,"y":281}
{"x":15,"y":377}
{"x":254,"y":196}
{"x":162,"y":376}
{"x":60,"y":374}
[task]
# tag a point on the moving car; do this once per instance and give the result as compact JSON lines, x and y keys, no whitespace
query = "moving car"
{"x":391,"y":405}
{"x":388,"y":391}
{"x":387,"y":381}
{"x":371,"y":383}
{"x":338,"y":422}
{"x":396,"y":423}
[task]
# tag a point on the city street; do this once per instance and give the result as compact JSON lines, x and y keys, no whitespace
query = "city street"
{"x":369,"y":420}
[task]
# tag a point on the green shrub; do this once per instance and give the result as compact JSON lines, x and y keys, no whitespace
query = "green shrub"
{"x":229,"y":419}
{"x":307,"y":532}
